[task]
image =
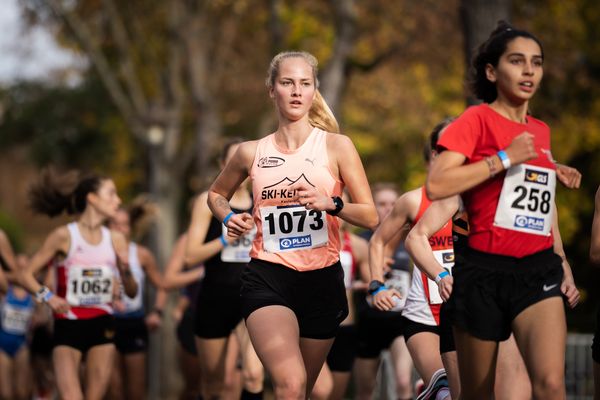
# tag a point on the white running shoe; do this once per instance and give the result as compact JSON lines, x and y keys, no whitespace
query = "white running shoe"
{"x":438,"y":381}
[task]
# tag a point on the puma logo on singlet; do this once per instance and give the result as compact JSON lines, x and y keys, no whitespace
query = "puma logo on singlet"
{"x":311,"y":161}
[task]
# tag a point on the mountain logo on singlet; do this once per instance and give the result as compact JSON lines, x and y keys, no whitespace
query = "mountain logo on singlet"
{"x":534,"y":176}
{"x":311,"y":161}
{"x":271,"y":192}
{"x":527,"y":222}
{"x":270,"y":162}
{"x":448,"y":257}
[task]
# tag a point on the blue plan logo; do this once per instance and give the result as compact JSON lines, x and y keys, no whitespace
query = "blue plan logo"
{"x":523,"y":221}
{"x":297,"y":242}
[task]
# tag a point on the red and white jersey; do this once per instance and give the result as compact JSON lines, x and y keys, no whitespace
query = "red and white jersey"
{"x":347,"y":260}
{"x":424,"y":301}
{"x":512,"y":213}
{"x":85,"y":277}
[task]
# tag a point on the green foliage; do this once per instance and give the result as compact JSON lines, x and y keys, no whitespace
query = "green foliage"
{"x":71,"y":127}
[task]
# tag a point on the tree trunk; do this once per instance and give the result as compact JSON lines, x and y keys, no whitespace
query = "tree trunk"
{"x":479,"y":18}
{"x":334,"y":74}
{"x":165,"y":186}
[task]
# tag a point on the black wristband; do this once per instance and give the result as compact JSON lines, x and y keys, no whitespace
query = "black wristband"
{"x":339,"y":204}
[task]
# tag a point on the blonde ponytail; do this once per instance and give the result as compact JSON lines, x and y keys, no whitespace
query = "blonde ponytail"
{"x":321,"y":116}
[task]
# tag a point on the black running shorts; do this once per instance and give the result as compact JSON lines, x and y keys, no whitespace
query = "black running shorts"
{"x":491,"y":290}
{"x":131,"y":335}
{"x":83,"y":334}
{"x":411,"y":328}
{"x":446,"y":334}
{"x":217,"y":312}
{"x":317,"y":297}
{"x":376,"y":329}
{"x":343,"y":352}
{"x":185,"y":332}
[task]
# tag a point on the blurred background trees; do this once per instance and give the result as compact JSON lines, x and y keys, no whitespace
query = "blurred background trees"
{"x":166,"y":81}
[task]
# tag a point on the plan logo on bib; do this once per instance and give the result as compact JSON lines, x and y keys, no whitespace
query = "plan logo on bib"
{"x":527,"y":222}
{"x":297,"y":242}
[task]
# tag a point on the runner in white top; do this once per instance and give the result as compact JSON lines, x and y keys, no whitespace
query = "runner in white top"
{"x":89,"y":256}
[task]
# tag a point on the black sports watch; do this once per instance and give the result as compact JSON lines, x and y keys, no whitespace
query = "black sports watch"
{"x":339,"y":204}
{"x":374,"y":286}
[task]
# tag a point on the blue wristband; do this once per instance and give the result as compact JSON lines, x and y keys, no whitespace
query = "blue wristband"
{"x":379,"y":290}
{"x":44,"y":295}
{"x":48,"y":296}
{"x":441,"y":276}
{"x":224,"y":241}
{"x":227,"y":217}
{"x":504,"y":159}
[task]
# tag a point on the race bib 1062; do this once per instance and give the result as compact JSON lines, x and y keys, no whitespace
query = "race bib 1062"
{"x":526,"y":202}
{"x":89,"y":286}
{"x":290,"y":228}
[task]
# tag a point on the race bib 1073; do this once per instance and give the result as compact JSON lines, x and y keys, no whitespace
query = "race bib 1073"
{"x":290,"y":228}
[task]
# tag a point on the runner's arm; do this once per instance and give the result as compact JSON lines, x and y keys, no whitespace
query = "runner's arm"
{"x":130,"y":286}
{"x":417,"y":242}
{"x":232,"y":176}
{"x":387,"y":230}
{"x":568,"y":287}
{"x":7,"y":254}
{"x":175,"y":276}
{"x":570,"y":177}
{"x":197,"y":250}
{"x":56,"y":243}
{"x":149,"y":264}
{"x":449,"y":175}
{"x":361,"y":212}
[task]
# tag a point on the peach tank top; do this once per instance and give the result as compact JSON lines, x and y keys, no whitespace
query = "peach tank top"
{"x":288,"y":233}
